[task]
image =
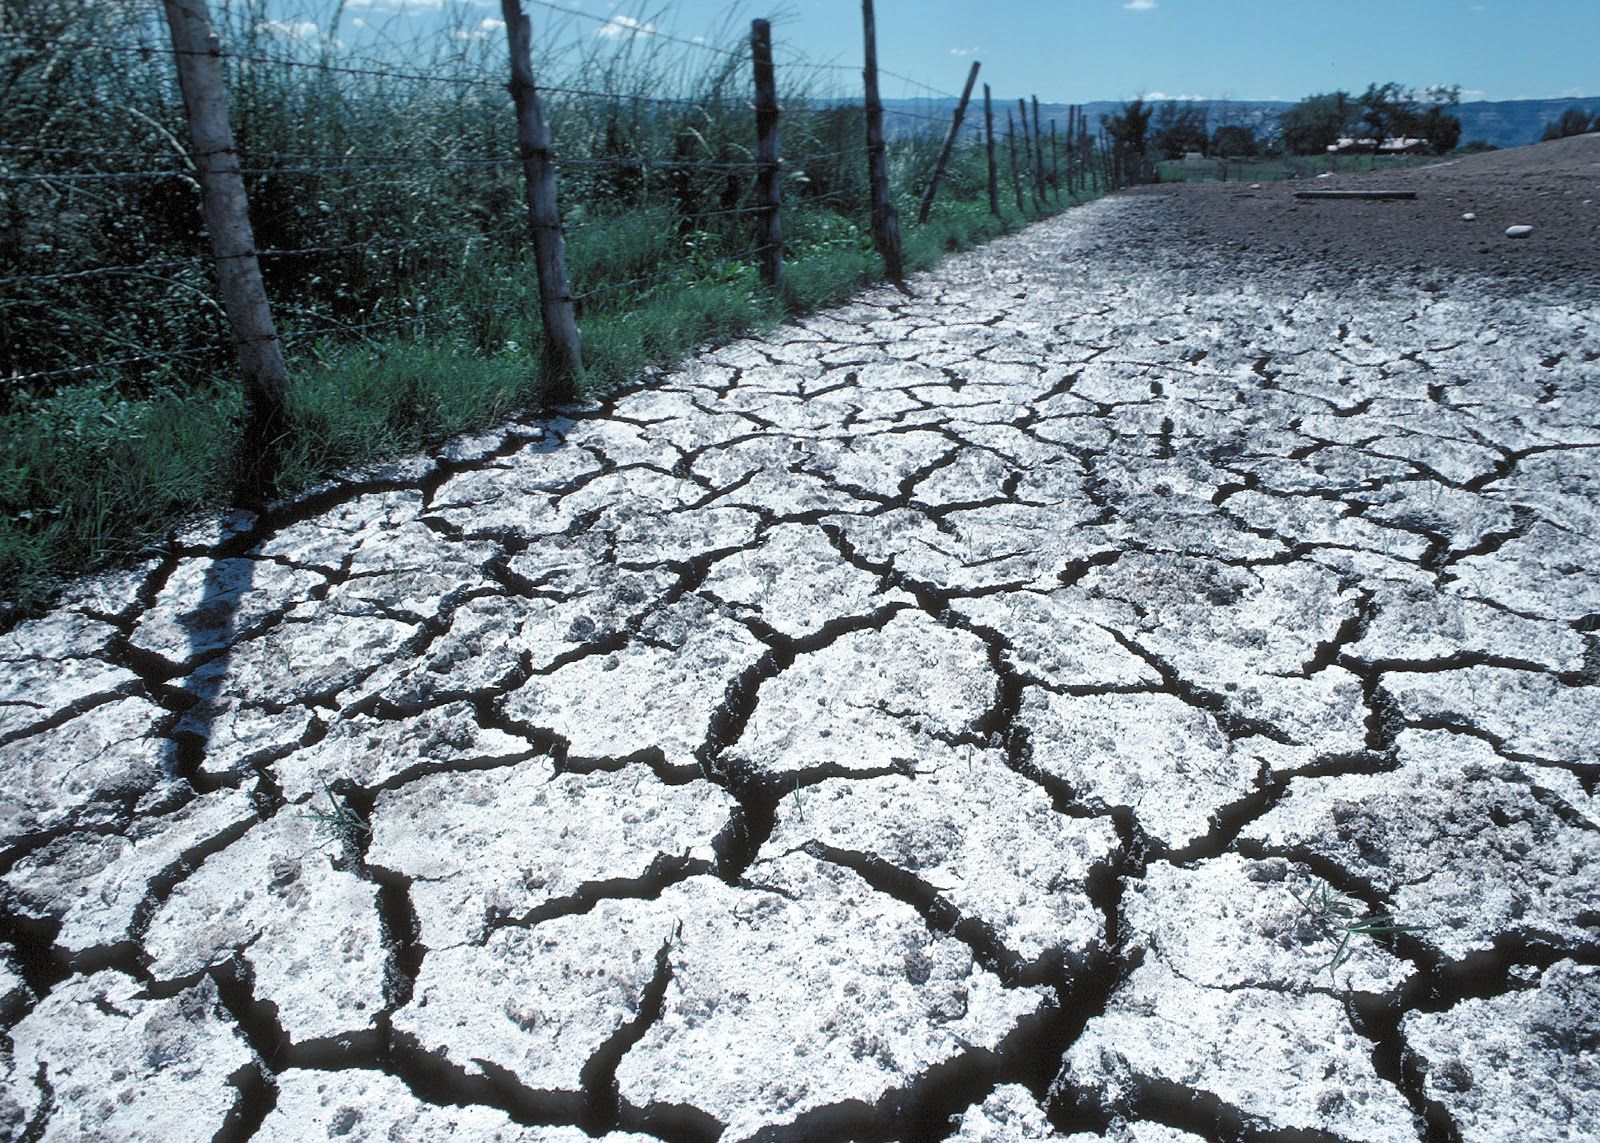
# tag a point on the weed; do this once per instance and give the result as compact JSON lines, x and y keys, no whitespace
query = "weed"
{"x":344,"y":825}
{"x":1326,"y":906}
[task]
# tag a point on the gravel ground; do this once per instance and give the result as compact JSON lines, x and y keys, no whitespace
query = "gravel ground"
{"x":1127,"y":689}
{"x":1553,"y":187}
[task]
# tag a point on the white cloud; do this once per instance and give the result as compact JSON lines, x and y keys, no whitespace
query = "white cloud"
{"x":1140,"y":5}
{"x":620,"y":25}
{"x":306,"y":31}
{"x":397,"y":7}
{"x":483,"y":29}
{"x":1153,"y":96}
{"x":972,"y":51}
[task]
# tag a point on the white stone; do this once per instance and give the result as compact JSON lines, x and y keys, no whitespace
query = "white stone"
{"x":870,"y":699}
{"x":1285,"y":1061}
{"x":1518,"y":231}
{"x":985,"y":838}
{"x":123,"y":1068}
{"x":357,"y":1106}
{"x":503,"y":843}
{"x":1457,"y":840}
{"x":796,"y":581}
{"x":97,"y":885}
{"x":208,"y":604}
{"x":805,"y":990}
{"x":89,"y":771}
{"x":655,"y":694}
{"x":308,"y":930}
{"x":1525,"y":1058}
{"x":1166,"y":761}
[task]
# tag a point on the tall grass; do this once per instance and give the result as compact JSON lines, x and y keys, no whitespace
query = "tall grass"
{"x":404,"y":289}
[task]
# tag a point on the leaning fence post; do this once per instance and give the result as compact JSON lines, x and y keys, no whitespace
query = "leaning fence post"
{"x":769,"y":187}
{"x":994,"y":168}
{"x":563,"y":345}
{"x":198,"y":53}
{"x":949,"y":145}
{"x":885,"y":222}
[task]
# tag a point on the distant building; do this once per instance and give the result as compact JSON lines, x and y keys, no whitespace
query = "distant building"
{"x":1349,"y":146}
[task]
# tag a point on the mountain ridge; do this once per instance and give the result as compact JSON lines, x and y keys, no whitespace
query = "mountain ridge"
{"x":1500,"y":123}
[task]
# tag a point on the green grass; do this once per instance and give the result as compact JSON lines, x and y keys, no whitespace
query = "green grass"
{"x":90,"y":478}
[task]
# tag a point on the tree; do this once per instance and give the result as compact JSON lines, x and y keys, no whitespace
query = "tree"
{"x":1129,"y":130}
{"x":1235,"y":141}
{"x":1385,"y":112}
{"x":1436,"y":124}
{"x":1573,"y":121}
{"x":1390,"y":111}
{"x":1179,"y":129}
{"x":1441,"y":130}
{"x":1316,"y":123}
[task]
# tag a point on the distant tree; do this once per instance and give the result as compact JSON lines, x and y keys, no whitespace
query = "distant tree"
{"x":1433,"y":117}
{"x":1441,"y":129}
{"x":1573,"y":121}
{"x":1477,"y":147}
{"x":1235,"y":141}
{"x":1386,"y":111}
{"x":1180,"y":128}
{"x":1316,"y":123}
{"x":1129,"y":130}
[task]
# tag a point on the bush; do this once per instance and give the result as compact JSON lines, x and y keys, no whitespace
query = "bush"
{"x":1573,"y":121}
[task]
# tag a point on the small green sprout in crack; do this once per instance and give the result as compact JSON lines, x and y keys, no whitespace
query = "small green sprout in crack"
{"x":1326,"y":906}
{"x":345,"y":826}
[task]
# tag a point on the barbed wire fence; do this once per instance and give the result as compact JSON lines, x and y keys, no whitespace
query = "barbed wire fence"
{"x":388,"y":200}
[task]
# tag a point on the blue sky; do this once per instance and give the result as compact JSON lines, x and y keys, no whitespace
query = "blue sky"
{"x":1081,"y":50}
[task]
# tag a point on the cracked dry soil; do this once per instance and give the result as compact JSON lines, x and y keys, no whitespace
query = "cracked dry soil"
{"x":942,"y":718}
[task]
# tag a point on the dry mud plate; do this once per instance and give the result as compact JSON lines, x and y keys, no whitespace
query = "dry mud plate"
{"x":1137,"y":692}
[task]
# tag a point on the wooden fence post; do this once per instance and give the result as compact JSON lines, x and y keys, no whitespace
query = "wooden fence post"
{"x":198,"y":53}
{"x":1055,"y":163}
{"x":949,"y":145}
{"x":1038,"y":152}
{"x":1072,"y":137}
{"x":1029,"y":168}
{"x":769,"y":187}
{"x":885,"y":221}
{"x":1085,"y":155}
{"x":994,"y":168}
{"x":563,"y":345}
{"x":1016,"y":182}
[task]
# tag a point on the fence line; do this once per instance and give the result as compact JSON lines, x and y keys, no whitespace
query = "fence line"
{"x":710,"y":184}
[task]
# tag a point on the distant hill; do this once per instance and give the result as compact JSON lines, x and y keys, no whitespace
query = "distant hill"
{"x":1503,"y":123}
